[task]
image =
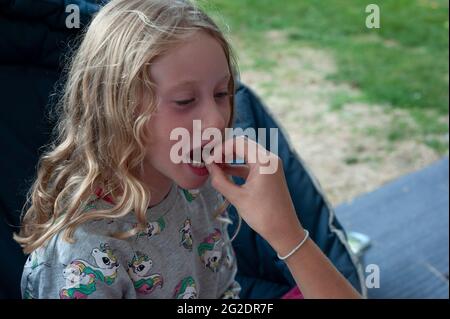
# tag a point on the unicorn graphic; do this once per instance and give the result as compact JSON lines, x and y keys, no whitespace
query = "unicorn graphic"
{"x":153,"y":228}
{"x":185,"y":289}
{"x":191,"y":194}
{"x":210,"y":250}
{"x":186,"y":235}
{"x":232,"y":292}
{"x":80,"y":281}
{"x":31,"y":264}
{"x":81,"y":276}
{"x":229,"y":294}
{"x":138,"y":271}
{"x":28,"y":293}
{"x":32,"y":261}
{"x":107,"y":263}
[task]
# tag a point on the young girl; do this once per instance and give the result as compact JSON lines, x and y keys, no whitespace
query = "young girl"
{"x":110,"y":214}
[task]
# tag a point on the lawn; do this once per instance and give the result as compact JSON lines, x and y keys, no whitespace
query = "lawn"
{"x":403,"y":64}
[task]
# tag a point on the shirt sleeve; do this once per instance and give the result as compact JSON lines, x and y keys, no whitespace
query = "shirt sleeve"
{"x":91,"y":267}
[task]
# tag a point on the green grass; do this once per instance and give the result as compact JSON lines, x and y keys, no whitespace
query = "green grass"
{"x":403,"y":64}
{"x":341,"y":98}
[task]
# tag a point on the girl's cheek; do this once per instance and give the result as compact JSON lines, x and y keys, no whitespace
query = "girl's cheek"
{"x":228,"y":117}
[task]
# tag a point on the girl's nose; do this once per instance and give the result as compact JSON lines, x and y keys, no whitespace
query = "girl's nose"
{"x":214,"y":116}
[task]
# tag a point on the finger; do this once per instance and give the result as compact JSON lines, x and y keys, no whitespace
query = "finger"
{"x":244,"y":148}
{"x":221,"y":183}
{"x":241,"y":171}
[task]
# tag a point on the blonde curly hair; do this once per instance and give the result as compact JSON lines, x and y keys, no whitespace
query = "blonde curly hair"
{"x":100,"y":136}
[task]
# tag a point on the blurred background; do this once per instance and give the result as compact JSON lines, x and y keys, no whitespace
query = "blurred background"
{"x":362,"y":106}
{"x":368,"y":111}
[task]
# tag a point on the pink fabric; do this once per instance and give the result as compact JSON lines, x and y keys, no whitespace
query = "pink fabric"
{"x":108,"y":198}
{"x":294,"y":293}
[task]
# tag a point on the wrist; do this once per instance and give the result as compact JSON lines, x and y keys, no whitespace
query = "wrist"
{"x":286,"y":241}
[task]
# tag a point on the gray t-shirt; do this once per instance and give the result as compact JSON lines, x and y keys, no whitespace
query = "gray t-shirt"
{"x":183,"y":253}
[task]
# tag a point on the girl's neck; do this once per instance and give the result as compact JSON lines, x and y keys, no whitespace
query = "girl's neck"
{"x":158,"y":194}
{"x":158,"y":185}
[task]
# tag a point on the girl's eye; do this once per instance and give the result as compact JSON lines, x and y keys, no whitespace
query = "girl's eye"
{"x":187,"y":102}
{"x":221,"y":95}
{"x":184,"y":102}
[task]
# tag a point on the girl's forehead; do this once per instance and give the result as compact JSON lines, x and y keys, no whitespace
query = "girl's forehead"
{"x":192,"y":82}
{"x":198,"y":58}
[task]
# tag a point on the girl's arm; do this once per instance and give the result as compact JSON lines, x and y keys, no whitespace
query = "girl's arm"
{"x":265,"y":204}
{"x":314,"y":273}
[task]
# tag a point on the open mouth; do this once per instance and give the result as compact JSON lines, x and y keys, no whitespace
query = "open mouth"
{"x":196,"y":160}
{"x":197,"y":163}
{"x":196,"y":157}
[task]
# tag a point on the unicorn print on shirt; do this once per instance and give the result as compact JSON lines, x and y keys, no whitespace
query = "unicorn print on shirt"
{"x":139,"y":268}
{"x":210,"y":250}
{"x":186,"y":235}
{"x":81,"y":276}
{"x":153,"y":228}
{"x":186,"y":289}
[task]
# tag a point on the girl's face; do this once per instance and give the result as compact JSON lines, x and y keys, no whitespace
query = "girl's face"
{"x":191,"y":84}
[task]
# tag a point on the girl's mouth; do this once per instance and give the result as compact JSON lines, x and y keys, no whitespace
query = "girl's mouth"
{"x":199,"y":170}
{"x":195,"y":157}
{"x":197,"y":164}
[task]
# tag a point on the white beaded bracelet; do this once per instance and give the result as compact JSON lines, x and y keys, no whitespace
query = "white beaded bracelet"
{"x":296,"y":248}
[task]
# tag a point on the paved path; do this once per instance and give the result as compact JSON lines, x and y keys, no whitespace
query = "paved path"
{"x":408,"y":222}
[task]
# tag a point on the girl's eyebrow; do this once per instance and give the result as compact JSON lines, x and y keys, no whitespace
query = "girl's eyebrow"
{"x":182,"y":84}
{"x":225,"y":77}
{"x":193,"y":82}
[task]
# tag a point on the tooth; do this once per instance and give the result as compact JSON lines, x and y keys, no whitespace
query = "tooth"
{"x":196,"y":164}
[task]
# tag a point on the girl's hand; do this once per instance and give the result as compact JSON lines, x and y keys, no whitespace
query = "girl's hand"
{"x":265,"y":204}
{"x":263,"y":201}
